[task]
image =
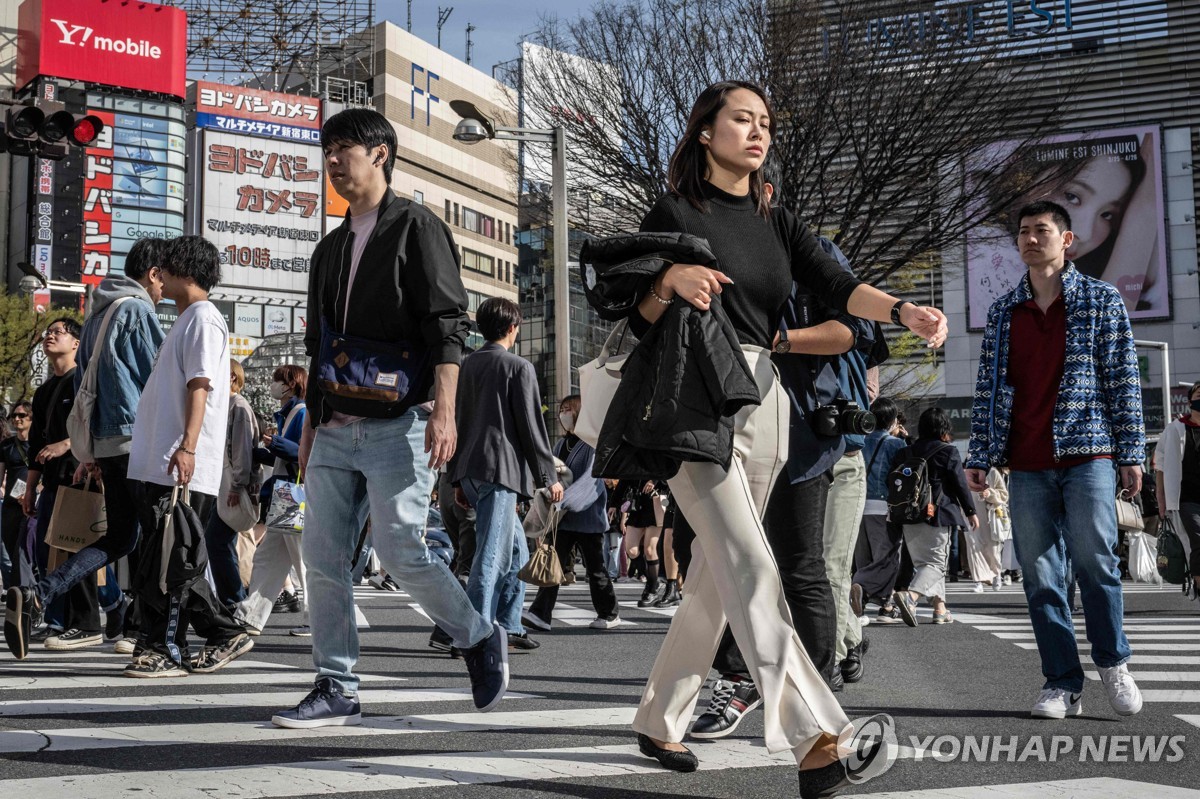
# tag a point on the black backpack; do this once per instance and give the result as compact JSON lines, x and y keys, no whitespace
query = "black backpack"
{"x":910,"y":492}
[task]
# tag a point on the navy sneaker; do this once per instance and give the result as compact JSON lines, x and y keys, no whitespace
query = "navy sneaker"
{"x":325,"y":706}
{"x":487,"y":663}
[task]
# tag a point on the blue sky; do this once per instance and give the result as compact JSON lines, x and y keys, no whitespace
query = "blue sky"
{"x":498,"y":23}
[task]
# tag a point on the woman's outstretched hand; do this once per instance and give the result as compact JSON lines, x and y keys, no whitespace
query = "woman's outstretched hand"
{"x":927,"y":322}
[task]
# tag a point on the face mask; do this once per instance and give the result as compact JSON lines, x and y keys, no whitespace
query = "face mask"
{"x":277,"y":390}
{"x":567,"y":420}
{"x":1196,"y":405}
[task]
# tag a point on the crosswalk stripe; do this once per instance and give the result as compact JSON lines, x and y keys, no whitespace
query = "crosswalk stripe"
{"x":668,"y":612}
{"x":1132,"y":636}
{"x":1154,"y":676}
{"x":572,"y":616}
{"x":1136,"y":628}
{"x":376,"y":775}
{"x":1086,"y":788}
{"x":275,"y":699}
{"x":1168,"y":646}
{"x":42,"y":665}
{"x":257,"y":732}
{"x":30,"y":682}
{"x":1165,"y":695}
{"x":1193,"y":720}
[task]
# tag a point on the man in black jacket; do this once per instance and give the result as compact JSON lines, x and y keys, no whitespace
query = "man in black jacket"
{"x":505,"y":456}
{"x":387,"y":323}
{"x":74,"y":621}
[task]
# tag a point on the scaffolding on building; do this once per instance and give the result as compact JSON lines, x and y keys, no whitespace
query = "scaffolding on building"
{"x":309,"y":47}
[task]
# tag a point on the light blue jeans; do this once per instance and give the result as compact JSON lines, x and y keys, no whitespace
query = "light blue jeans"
{"x":1063,"y":518}
{"x":378,"y":464}
{"x":500,"y":552}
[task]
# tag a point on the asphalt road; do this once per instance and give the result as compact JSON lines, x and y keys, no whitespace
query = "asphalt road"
{"x":72,"y":727}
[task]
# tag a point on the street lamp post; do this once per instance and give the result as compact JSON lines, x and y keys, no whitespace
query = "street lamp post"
{"x":476,"y":127}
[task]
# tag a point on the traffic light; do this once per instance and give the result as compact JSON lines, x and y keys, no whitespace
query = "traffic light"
{"x":39,"y":128}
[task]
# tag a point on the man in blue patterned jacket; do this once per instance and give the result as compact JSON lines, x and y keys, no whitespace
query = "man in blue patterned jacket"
{"x":1058,"y":400}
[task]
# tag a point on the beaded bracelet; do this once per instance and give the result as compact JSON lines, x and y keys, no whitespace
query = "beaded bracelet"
{"x":184,"y":449}
{"x":654,"y":294}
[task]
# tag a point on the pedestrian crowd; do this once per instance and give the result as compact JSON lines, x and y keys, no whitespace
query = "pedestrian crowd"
{"x":747,"y":468}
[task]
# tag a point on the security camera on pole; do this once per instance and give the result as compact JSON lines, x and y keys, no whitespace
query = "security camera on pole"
{"x":475,"y":127}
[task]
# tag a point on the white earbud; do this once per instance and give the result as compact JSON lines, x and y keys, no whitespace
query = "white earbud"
{"x":704,"y":134}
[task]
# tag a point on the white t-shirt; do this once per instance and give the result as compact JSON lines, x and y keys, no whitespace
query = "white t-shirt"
{"x":196,"y":346}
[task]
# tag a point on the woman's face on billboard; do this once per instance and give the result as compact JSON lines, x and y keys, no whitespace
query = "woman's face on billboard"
{"x":1095,"y":200}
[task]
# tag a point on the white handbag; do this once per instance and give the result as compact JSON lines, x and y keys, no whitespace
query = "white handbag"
{"x":598,"y":382}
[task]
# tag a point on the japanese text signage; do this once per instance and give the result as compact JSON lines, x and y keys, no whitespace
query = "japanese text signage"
{"x":238,"y":109}
{"x":129,"y":45}
{"x":262,"y":208}
{"x":97,"y":204}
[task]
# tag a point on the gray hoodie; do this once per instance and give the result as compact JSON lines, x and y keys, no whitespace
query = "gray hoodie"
{"x":127,"y":357}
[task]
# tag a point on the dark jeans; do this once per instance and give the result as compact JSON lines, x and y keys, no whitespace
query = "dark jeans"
{"x":119,"y":540}
{"x":165,"y":618}
{"x":682,"y":537}
{"x":794,"y":524}
{"x":221,"y":541}
{"x":877,"y":556}
{"x":591,"y":546}
{"x":460,"y":526}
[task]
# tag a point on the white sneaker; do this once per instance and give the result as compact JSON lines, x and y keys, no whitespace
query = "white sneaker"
{"x":1007,"y":579}
{"x":536,"y":622}
{"x":125,"y":646}
{"x":303,"y":631}
{"x":996,"y":583}
{"x":601,"y":623}
{"x":1123,"y":693}
{"x":978,"y":589}
{"x":1055,"y":703}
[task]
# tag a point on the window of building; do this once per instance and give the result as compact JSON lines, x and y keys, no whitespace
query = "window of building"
{"x":474,"y":300}
{"x":447,"y":212}
{"x":478,"y":262}
{"x":419,"y":197}
{"x":456,"y":214}
{"x":507,"y":233}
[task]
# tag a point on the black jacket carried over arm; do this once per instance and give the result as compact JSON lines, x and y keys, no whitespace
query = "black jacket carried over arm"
{"x":407,"y":289}
{"x":686,"y":379}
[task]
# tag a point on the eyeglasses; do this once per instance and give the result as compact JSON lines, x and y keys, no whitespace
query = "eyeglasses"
{"x":56,"y":331}
{"x":16,"y":416}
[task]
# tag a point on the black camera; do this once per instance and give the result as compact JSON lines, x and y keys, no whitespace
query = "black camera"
{"x":841,"y":418}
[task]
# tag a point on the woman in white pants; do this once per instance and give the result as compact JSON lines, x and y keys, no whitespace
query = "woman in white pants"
{"x":278,"y":554}
{"x":717,"y":193}
{"x":985,"y":543}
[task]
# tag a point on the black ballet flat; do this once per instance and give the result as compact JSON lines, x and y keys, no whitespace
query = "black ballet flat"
{"x":683,"y":761}
{"x":820,"y":783}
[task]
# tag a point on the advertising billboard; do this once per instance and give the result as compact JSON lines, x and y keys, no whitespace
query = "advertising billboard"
{"x":1111,"y":184}
{"x":127,"y":45}
{"x":239,"y":109}
{"x":261,"y":206}
{"x":97,"y":204}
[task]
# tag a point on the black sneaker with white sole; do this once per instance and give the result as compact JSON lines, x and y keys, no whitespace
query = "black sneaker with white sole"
{"x":325,"y":706}
{"x":73,"y":638}
{"x":487,"y":663}
{"x":852,"y":667}
{"x":730,"y":702}
{"x":155,"y":664}
{"x":114,"y":620}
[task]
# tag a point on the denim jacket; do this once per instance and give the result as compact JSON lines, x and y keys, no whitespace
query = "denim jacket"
{"x":1099,"y":407}
{"x":126,"y":359}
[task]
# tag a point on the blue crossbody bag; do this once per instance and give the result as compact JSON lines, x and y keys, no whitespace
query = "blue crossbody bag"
{"x":375,"y":379}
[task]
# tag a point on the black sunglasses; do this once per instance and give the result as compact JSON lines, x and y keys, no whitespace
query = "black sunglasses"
{"x":19,"y":416}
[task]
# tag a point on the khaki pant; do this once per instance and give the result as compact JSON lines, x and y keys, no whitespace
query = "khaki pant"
{"x":843,"y":515}
{"x":276,"y":556}
{"x":733,"y":578}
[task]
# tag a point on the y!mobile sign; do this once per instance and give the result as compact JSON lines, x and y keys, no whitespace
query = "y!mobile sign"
{"x":131,"y":45}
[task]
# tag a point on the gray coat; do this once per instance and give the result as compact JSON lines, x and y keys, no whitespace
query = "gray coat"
{"x":501,"y":434}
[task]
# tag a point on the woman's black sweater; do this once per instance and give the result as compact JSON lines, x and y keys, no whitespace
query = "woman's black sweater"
{"x":762,"y":256}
